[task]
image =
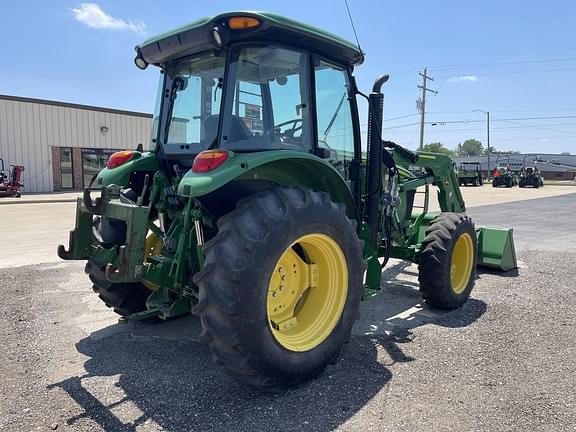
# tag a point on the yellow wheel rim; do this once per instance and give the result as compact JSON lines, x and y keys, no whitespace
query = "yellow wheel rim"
{"x":307,"y":292}
{"x":461,"y":263}
{"x":153,"y":247}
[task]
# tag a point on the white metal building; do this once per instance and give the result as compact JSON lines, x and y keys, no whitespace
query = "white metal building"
{"x":62,"y":145}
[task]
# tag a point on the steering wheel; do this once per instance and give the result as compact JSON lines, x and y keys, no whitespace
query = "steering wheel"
{"x":289,"y":132}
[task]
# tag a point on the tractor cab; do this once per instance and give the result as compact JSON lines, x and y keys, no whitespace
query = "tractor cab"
{"x":253,"y":82}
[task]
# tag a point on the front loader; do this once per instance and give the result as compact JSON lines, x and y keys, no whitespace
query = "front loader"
{"x":257,"y":211}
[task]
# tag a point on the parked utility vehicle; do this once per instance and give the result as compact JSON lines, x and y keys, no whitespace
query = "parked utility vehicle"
{"x":530,"y":176}
{"x":469,"y":173}
{"x":10,"y":182}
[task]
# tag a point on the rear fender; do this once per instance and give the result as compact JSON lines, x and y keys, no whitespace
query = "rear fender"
{"x":122,"y":174}
{"x":272,"y":168}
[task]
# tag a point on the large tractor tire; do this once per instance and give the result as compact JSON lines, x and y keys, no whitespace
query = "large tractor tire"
{"x":280,"y":287}
{"x":447,"y":262}
{"x":124,"y":298}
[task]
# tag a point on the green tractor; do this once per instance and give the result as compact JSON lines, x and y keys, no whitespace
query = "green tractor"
{"x":256,"y":210}
{"x":469,"y":173}
{"x":530,"y":176}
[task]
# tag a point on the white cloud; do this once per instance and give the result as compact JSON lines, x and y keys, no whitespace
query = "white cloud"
{"x":93,"y":16}
{"x":463,"y":78}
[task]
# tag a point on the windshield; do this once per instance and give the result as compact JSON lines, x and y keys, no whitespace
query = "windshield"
{"x":194,"y":85}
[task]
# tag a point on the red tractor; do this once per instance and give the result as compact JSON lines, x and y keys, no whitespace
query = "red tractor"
{"x":10,"y":183}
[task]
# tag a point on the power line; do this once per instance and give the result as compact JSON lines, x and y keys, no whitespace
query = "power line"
{"x":509,"y":72}
{"x":461,"y":66}
{"x":558,"y":60}
{"x":539,"y":127}
{"x":465,"y":121}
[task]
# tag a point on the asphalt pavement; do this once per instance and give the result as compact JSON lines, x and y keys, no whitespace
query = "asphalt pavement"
{"x":505,"y":361}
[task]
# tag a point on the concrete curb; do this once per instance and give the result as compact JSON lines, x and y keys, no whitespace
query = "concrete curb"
{"x":37,"y":201}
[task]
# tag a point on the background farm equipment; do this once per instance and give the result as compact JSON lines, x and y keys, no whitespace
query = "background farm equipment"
{"x":259,"y":213}
{"x":530,"y":176}
{"x":504,"y":176}
{"x":10,"y":183}
{"x":469,"y":173}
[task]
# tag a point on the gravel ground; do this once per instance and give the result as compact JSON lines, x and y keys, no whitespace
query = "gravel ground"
{"x":505,"y":361}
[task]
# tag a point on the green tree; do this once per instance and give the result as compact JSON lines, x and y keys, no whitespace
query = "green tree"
{"x":470,"y":147}
{"x":565,"y":153}
{"x":437,"y":147}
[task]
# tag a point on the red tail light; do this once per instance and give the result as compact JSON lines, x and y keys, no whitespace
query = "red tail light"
{"x":209,"y":160}
{"x":119,"y":158}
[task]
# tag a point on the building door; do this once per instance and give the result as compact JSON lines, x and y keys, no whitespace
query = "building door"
{"x":66,"y":174}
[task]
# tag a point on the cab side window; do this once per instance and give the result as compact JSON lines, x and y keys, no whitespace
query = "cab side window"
{"x":334,"y":115}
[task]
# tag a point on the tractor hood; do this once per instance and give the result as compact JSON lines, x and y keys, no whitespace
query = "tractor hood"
{"x":219,"y":31}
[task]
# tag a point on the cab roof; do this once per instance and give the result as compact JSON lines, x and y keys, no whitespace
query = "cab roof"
{"x":198,"y":36}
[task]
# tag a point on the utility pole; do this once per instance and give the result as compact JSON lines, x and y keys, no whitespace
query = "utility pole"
{"x":487,"y":137}
{"x":422,"y":103}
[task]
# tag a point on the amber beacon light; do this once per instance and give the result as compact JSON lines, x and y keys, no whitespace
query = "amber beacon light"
{"x":239,"y":23}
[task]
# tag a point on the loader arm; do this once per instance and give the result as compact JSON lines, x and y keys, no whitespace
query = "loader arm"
{"x":440,"y":174}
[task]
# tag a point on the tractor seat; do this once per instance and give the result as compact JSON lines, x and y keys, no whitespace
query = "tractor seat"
{"x":238,"y":129}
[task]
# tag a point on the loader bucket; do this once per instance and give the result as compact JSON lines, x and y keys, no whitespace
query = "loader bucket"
{"x":496,"y":248}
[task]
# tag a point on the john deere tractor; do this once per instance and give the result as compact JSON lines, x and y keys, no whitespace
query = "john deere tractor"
{"x":256,"y":210}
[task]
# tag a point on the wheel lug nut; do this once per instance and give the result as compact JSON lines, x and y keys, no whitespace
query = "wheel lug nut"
{"x":281,"y":287}
{"x":273,"y":293}
{"x":281,"y":269}
{"x":283,"y":277}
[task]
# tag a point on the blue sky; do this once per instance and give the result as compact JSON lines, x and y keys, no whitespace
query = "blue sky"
{"x":516,"y":59}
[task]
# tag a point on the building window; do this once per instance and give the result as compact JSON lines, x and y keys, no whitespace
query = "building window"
{"x":94,"y":160}
{"x":66,"y":175}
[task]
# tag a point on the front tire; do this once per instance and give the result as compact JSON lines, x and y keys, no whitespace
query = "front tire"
{"x":280,"y":287}
{"x":124,"y":298}
{"x":447,"y":261}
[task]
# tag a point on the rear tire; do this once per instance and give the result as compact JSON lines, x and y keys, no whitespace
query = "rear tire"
{"x":447,"y":261}
{"x":245,"y":259}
